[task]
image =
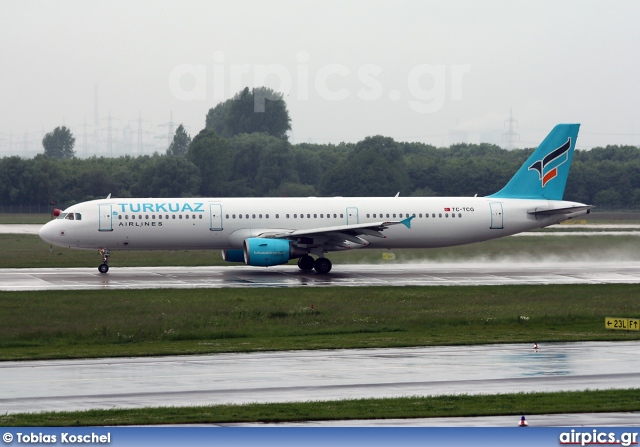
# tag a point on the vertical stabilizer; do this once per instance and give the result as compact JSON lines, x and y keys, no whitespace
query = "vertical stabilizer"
{"x":544,"y":175}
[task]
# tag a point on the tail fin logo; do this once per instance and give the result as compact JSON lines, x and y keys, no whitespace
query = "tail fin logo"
{"x":548,"y":167}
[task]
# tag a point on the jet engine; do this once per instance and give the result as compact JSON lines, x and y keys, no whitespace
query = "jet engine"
{"x":265,"y":252}
{"x":233,"y":255}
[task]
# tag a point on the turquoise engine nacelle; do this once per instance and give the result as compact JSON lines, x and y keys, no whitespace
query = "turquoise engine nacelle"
{"x":264,"y":252}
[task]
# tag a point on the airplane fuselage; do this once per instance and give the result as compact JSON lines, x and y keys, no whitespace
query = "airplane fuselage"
{"x":224,"y":223}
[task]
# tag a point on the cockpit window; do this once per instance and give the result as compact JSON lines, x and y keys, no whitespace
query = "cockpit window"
{"x":62,"y":215}
{"x":78,"y":216}
{"x":69,"y":216}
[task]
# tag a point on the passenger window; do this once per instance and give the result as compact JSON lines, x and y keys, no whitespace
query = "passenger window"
{"x":341,"y":215}
{"x":446,"y":215}
{"x":433,"y":215}
{"x":301,"y":216}
{"x":260,"y":216}
{"x":315,"y":216}
{"x":266,"y":216}
{"x":440,"y":215}
{"x":239,"y":216}
{"x":247,"y":216}
{"x":394,"y":215}
{"x":126,"y":217}
{"x":308,"y":216}
{"x":453,"y":214}
{"x":277,"y":216}
{"x":160,"y":216}
{"x":180,"y":216}
{"x":153,"y":216}
{"x":120,"y":217}
{"x":335,"y":215}
{"x":287,"y":216}
{"x":167,"y":216}
{"x":387,"y":215}
{"x":321,"y":216}
{"x":173,"y":216}
{"x":253,"y":216}
{"x":200,"y":216}
{"x":146,"y":216}
{"x":133,"y":217}
{"x":459,"y":214}
{"x":234,"y":216}
{"x":227,"y":216}
{"x":295,"y":216}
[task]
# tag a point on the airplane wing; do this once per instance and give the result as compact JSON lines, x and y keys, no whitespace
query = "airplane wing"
{"x":337,"y":237}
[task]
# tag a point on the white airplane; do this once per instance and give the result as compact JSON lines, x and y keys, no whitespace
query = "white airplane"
{"x":271,"y":231}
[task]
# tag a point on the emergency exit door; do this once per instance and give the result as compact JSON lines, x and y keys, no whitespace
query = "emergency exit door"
{"x":352,"y":216}
{"x":215,"y":214}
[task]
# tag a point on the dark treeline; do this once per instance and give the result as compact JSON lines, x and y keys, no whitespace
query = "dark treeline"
{"x":260,"y":165}
{"x":244,"y":152}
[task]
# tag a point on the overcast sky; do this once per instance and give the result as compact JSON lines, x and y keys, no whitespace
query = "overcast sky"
{"x":431,"y":71}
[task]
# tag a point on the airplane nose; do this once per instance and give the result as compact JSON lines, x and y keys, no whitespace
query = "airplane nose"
{"x":47,"y":233}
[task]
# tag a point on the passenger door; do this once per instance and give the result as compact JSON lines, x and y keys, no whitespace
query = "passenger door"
{"x":105,"y":222}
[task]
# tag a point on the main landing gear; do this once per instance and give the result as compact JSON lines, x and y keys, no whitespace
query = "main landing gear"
{"x":106,"y":254}
{"x":321,"y":265}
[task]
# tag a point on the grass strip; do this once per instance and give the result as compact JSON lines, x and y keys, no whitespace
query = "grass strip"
{"x":597,"y":401}
{"x":111,"y":323}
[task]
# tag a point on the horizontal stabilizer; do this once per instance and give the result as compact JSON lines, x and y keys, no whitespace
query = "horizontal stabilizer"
{"x":558,"y":211}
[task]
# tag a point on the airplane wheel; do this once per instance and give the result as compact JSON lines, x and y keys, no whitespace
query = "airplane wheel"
{"x":305,"y":263}
{"x":103,"y":268}
{"x":322,"y":265}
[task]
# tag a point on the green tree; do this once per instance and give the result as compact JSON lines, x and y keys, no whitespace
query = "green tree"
{"x":180,"y":144}
{"x":375,"y":168}
{"x":277,"y":165}
{"x":258,"y":110}
{"x":211,"y":154}
{"x":168,"y":177}
{"x":14,"y":179}
{"x":59,"y":143}
{"x":217,"y":118}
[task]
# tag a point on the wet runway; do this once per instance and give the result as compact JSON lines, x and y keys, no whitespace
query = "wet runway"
{"x":315,"y":375}
{"x":417,"y":274}
{"x":536,"y":420}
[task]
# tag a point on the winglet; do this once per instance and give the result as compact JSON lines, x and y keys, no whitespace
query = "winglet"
{"x":407,"y":222}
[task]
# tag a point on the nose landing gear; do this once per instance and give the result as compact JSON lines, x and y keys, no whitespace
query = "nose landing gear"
{"x":106,"y":254}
